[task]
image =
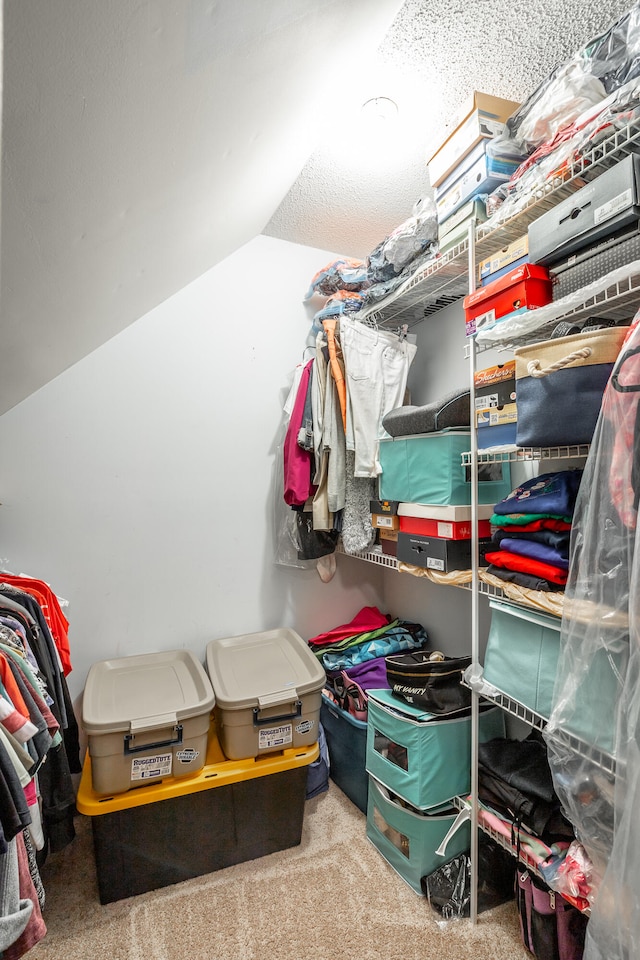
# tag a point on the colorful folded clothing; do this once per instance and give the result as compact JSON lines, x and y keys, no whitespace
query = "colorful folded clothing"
{"x":549,"y":493}
{"x":368,"y":618}
{"x":557,"y":539}
{"x":531,"y":521}
{"x":536,"y":551}
{"x":395,"y":640}
{"x":536,"y":568}
{"x":523,"y":579}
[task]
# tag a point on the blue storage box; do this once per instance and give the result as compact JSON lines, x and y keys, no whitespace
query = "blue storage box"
{"x":521,"y":658}
{"x":424,"y":759}
{"x":407,"y":838}
{"x":427,"y":468}
{"x":347,"y":744}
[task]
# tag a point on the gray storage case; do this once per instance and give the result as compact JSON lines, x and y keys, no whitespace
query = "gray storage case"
{"x":602,"y":207}
{"x":147,"y":717}
{"x":268,"y":690}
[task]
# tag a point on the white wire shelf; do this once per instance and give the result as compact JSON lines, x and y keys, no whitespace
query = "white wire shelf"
{"x":445,"y":279}
{"x":599,"y":758}
{"x":435,"y":285}
{"x":375,"y":555}
{"x":491,"y":237}
{"x":526,"y":454}
{"x":523,"y":856}
{"x":618,"y":301}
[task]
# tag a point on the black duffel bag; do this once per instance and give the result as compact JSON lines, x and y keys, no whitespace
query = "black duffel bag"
{"x":433,"y":685}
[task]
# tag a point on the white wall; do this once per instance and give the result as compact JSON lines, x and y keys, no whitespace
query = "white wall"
{"x":139,"y":482}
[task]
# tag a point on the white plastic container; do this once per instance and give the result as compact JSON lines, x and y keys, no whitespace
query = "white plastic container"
{"x":147,"y":718}
{"x":268,"y":690}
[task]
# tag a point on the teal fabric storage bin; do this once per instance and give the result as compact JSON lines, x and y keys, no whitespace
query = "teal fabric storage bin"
{"x":424,"y":759}
{"x":521,"y":658}
{"x":427,"y":468}
{"x":408,"y":839}
{"x":347,"y":744}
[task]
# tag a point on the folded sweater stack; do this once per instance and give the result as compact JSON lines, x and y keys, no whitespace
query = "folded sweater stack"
{"x":532,"y":530}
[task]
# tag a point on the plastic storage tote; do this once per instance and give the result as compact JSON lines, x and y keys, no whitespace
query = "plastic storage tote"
{"x":427,"y":468}
{"x":347,"y":743}
{"x":408,"y":838}
{"x":229,"y":812}
{"x":146,"y":718}
{"x":424,"y":759}
{"x":268,"y":689}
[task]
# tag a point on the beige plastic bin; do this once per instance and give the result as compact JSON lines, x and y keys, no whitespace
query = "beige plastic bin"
{"x":147,"y":718}
{"x":268,"y":690}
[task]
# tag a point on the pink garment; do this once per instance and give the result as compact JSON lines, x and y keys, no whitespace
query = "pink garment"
{"x":297,"y":462}
{"x":35,"y":929}
{"x":369,"y":618}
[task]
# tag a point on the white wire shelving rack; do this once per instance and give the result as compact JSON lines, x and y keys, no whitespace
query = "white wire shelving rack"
{"x":445,"y":279}
{"x":442,"y":281}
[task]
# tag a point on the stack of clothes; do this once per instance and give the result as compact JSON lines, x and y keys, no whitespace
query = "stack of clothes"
{"x":353,"y":655}
{"x":532,"y":529}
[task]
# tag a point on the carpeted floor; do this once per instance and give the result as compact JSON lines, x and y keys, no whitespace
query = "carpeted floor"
{"x":332,"y":896}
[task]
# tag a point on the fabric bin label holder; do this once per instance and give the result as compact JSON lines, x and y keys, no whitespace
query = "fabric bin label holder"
{"x":424,"y":759}
{"x":427,"y":468}
{"x":410,"y":840}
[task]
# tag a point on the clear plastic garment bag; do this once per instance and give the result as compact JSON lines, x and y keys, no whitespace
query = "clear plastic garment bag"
{"x":594,"y":730}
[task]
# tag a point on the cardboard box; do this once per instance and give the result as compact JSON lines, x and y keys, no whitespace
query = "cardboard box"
{"x":479,"y":178}
{"x":384,"y":521}
{"x":526,"y":287}
{"x":495,"y":388}
{"x":436,"y":553}
{"x":383,"y":506}
{"x":507,"y":255}
{"x":482,"y":116}
{"x":501,"y":167}
{"x":603,"y":207}
{"x":389,"y":542}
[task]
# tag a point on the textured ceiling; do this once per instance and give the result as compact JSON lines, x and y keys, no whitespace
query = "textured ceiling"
{"x":359,"y":184}
{"x":145,"y":140}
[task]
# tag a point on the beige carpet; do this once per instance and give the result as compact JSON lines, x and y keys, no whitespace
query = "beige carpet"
{"x":331,"y":897}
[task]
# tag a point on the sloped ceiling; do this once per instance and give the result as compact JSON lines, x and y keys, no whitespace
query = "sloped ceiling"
{"x":356,"y":188}
{"x":145,"y":140}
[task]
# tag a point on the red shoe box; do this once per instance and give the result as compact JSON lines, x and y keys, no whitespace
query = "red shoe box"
{"x":529,"y":285}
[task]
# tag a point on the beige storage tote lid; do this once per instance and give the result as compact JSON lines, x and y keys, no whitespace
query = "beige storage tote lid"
{"x":163,"y":687}
{"x":262,"y":669}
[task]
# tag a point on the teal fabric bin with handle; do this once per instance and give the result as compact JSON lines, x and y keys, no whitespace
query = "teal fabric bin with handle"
{"x":408,"y":838}
{"x":521,"y":658}
{"x":424,"y":759}
{"x":427,"y":468}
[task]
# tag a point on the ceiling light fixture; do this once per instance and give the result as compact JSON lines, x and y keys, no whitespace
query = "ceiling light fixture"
{"x":380,"y":109}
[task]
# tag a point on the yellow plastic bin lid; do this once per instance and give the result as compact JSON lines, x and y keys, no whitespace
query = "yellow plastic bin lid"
{"x":217,"y":772}
{"x":148,"y":685}
{"x":247,"y":669}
